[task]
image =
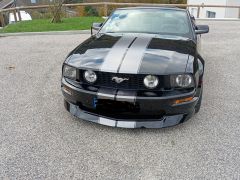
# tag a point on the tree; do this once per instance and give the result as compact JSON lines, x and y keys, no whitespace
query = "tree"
{"x":56,"y":10}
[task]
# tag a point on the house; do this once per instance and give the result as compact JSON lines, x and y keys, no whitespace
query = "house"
{"x":9,"y":17}
{"x":16,"y":3}
{"x":215,"y":12}
{"x":3,"y":5}
{"x":6,"y":4}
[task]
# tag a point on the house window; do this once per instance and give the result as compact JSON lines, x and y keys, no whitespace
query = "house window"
{"x":210,"y":14}
{"x":33,"y":1}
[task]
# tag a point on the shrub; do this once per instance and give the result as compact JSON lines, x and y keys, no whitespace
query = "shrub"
{"x":90,"y":11}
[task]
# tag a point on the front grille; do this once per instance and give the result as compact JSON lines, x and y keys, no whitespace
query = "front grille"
{"x":135,"y":81}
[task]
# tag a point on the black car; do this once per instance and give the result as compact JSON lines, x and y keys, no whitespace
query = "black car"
{"x":142,"y":68}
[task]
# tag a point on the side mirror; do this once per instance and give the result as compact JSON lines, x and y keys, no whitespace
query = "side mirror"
{"x":202,"y":29}
{"x":192,"y":18}
{"x":96,"y":26}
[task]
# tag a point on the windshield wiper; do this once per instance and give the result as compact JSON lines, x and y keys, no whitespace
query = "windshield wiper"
{"x":109,"y":32}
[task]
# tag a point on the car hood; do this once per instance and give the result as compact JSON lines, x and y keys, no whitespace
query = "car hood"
{"x":133,"y":54}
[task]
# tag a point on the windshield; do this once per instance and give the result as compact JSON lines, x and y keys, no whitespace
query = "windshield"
{"x":156,"y":21}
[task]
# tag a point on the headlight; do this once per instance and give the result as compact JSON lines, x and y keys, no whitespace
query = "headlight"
{"x":183,"y":80}
{"x":151,"y":81}
{"x":69,"y":72}
{"x":90,"y":76}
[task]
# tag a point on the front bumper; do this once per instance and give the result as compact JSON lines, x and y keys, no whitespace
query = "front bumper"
{"x":76,"y":98}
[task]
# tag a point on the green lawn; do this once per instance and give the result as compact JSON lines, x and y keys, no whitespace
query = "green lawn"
{"x":40,"y":25}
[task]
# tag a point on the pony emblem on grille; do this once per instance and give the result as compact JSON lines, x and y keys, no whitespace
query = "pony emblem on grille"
{"x":119,"y":80}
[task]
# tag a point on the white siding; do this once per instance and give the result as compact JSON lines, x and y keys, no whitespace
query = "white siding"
{"x":220,"y":12}
{"x":232,"y":12}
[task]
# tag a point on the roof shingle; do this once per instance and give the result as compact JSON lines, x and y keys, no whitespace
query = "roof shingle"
{"x":5,"y":3}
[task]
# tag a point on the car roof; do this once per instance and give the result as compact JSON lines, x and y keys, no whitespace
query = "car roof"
{"x":153,"y":7}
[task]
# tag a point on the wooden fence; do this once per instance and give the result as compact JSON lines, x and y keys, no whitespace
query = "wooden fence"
{"x":105,"y":5}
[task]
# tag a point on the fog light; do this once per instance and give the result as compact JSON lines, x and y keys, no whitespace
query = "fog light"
{"x":151,"y":81}
{"x":90,"y":76}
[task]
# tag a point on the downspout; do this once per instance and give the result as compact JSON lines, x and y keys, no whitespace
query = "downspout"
{"x":226,"y":9}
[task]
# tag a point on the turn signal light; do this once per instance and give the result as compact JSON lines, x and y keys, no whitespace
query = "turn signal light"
{"x":179,"y":101}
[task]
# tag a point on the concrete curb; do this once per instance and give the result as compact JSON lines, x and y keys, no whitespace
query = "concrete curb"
{"x":46,"y":33}
{"x":217,"y":19}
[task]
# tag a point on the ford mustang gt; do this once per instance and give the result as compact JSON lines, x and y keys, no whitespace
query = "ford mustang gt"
{"x":142,"y":68}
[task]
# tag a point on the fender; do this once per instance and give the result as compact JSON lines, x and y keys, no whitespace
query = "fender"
{"x":202,"y":61}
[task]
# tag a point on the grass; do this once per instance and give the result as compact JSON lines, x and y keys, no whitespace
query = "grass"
{"x":41,"y":25}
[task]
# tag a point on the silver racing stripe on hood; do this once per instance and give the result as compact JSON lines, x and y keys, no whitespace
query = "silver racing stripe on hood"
{"x":125,"y":57}
{"x":115,"y":56}
{"x":133,"y":58}
{"x":131,"y":63}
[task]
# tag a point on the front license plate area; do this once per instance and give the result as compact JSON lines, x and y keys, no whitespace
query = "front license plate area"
{"x":113,"y":106}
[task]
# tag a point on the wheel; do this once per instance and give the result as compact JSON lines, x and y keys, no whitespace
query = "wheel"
{"x":198,"y":105}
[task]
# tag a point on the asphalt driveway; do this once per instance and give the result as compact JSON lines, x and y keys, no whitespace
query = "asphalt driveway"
{"x":39,"y":139}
